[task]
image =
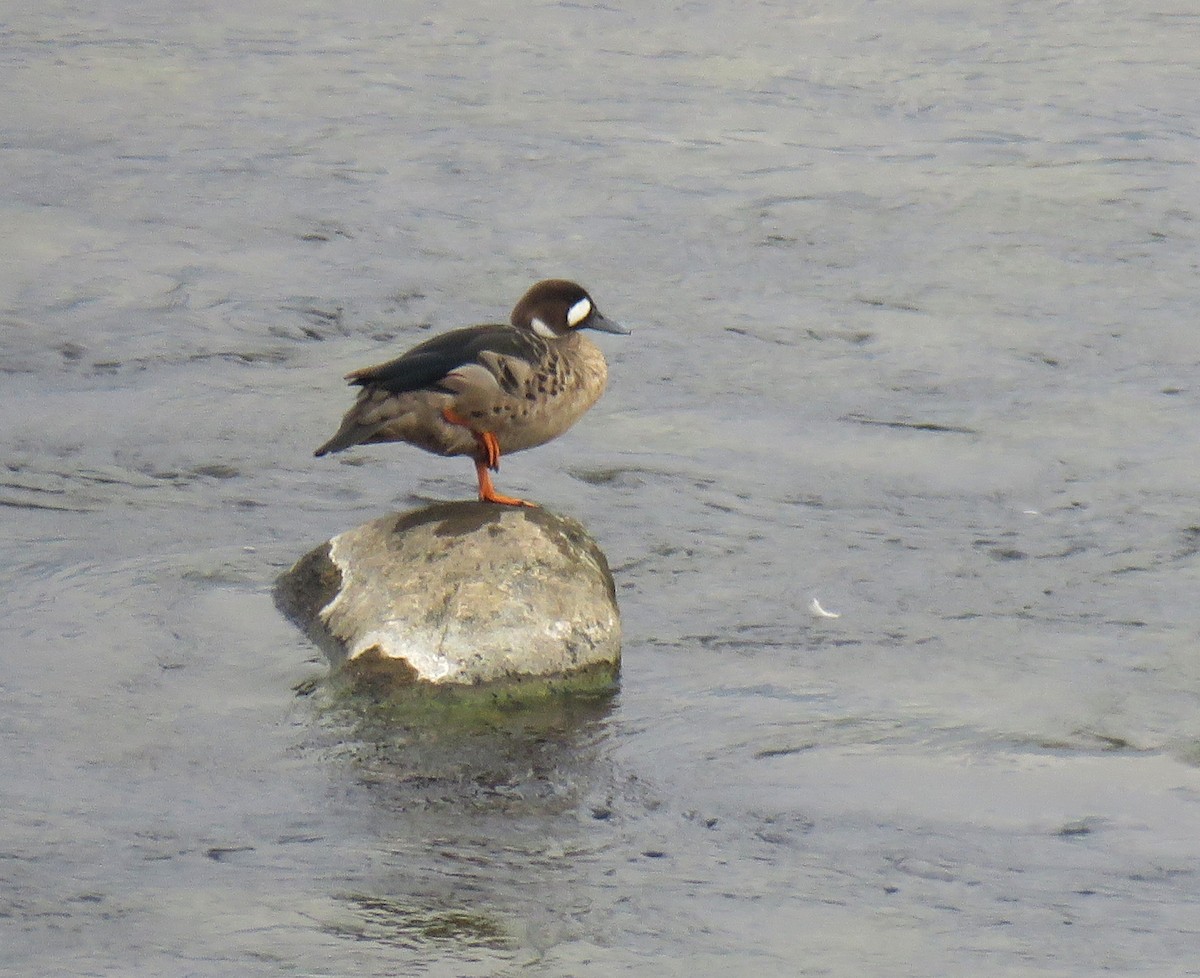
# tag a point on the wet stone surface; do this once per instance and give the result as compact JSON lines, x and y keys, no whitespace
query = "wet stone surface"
{"x":460,"y":594}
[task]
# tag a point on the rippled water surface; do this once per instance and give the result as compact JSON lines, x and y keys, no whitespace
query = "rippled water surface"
{"x":913,"y":298}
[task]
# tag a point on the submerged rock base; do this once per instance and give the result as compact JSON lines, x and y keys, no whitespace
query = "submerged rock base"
{"x":461,"y":594}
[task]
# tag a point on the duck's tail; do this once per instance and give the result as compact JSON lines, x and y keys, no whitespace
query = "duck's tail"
{"x":352,"y":432}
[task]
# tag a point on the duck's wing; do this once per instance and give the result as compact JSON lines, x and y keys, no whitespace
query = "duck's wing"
{"x":427,"y":364}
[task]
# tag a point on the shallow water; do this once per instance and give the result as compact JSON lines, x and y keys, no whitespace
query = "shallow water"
{"x":912,"y":293}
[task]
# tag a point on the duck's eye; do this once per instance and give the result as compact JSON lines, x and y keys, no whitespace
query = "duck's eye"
{"x":542,"y":329}
{"x":579,"y":312}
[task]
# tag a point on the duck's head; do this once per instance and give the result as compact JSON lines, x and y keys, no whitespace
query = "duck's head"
{"x":556,"y":308}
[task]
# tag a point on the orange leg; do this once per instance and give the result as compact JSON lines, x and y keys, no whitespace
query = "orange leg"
{"x":487,"y":492}
{"x":488,"y":458}
{"x":491,"y":449}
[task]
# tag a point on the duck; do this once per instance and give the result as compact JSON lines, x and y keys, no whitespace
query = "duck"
{"x":487,"y":391}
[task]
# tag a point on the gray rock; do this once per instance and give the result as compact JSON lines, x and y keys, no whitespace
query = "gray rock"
{"x":461,"y":594}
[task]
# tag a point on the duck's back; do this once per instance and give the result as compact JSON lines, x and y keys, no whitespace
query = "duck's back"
{"x":427,"y":363}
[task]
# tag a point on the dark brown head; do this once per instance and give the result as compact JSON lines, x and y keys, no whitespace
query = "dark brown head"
{"x":556,"y":307}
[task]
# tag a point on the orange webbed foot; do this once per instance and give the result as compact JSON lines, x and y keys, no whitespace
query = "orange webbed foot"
{"x":491,"y":449}
{"x":488,"y":494}
{"x":488,"y":458}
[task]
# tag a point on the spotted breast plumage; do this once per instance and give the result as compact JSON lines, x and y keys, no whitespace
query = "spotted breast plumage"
{"x":487,"y":391}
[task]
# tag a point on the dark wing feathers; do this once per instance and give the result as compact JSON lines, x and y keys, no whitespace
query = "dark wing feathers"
{"x":427,"y":363}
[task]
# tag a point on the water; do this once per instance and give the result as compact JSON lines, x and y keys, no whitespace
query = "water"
{"x":912,"y":291}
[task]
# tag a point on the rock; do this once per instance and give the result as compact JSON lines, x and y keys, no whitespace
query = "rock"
{"x":461,"y":594}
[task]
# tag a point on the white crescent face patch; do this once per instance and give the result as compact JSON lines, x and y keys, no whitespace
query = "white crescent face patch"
{"x":542,"y":329}
{"x":579,"y":312}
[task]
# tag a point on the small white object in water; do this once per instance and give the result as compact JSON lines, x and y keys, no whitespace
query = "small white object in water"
{"x":821,"y":612}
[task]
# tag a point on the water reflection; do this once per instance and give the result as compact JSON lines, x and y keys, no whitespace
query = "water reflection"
{"x":481,"y":819}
